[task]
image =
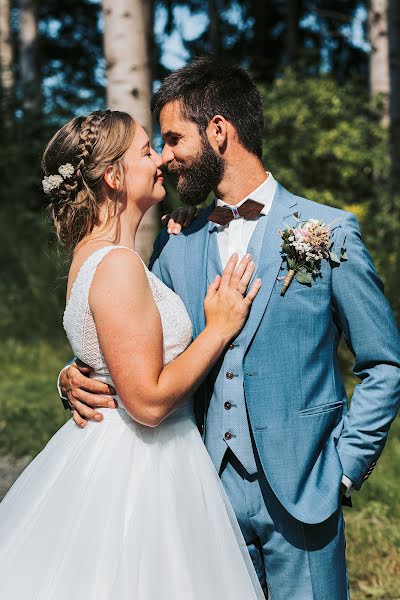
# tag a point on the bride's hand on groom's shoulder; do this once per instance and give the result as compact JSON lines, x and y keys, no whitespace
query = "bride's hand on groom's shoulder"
{"x":180,"y":219}
{"x":84,"y":394}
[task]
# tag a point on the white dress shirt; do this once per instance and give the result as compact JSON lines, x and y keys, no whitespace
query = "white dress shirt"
{"x":236,"y":235}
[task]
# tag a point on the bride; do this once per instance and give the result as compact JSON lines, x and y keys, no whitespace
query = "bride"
{"x":134,"y":509}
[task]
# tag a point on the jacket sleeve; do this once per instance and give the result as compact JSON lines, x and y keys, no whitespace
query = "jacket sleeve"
{"x":371,"y":334}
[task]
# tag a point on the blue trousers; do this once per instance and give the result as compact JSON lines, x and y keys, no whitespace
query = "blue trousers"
{"x":293,"y":560}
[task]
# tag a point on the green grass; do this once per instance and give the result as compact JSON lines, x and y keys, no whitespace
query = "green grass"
{"x":30,"y":411}
{"x":373,"y":552}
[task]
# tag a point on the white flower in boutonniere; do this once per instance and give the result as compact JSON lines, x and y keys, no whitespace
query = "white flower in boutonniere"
{"x":304,"y":246}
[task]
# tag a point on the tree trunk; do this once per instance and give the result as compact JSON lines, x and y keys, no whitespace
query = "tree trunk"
{"x":128,"y":26}
{"x":266,"y":48}
{"x":394,"y":102}
{"x":6,"y":56}
{"x":293,"y":8}
{"x":214,"y":32}
{"x":379,"y":56}
{"x":29,"y":76}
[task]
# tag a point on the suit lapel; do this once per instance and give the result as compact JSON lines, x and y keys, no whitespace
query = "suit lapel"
{"x":214,"y":265}
{"x":196,"y":249}
{"x":270,"y":258}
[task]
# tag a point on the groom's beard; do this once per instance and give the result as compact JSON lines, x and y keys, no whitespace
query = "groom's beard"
{"x":199,"y":175}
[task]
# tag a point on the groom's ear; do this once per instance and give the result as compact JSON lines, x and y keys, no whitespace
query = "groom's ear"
{"x":217,"y":132}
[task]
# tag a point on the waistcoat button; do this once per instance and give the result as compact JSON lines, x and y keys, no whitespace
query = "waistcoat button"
{"x":227,"y":405}
{"x":229,"y":375}
{"x":228,"y":435}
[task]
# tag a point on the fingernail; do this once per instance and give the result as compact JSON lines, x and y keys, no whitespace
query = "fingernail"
{"x":258,"y":281}
{"x":252,"y":264}
{"x":83,"y":425}
{"x":234,"y":255}
{"x":248,"y":256}
{"x":98,"y":417}
{"x":111,"y":404}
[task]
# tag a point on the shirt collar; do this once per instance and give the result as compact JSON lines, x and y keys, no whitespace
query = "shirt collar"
{"x":264,"y":194}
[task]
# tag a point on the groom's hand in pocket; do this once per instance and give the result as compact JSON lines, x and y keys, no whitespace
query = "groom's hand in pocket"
{"x":84,"y":394}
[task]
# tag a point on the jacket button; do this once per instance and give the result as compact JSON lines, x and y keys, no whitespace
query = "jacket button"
{"x":227,"y":405}
{"x":231,"y":346}
{"x":229,"y":375}
{"x":228,"y":435}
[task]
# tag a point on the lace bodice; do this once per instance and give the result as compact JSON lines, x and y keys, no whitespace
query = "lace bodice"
{"x":80,"y":327}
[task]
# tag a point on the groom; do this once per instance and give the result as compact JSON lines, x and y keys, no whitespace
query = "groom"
{"x":273,"y":412}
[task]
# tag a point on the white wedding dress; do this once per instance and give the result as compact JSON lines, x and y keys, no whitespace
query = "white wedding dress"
{"x":120,"y":511}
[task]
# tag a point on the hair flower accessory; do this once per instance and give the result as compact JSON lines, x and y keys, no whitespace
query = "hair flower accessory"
{"x":66,"y":171}
{"x":53,"y":182}
{"x":304,"y":246}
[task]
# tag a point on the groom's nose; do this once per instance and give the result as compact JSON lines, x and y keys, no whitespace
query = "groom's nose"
{"x":167,"y":155}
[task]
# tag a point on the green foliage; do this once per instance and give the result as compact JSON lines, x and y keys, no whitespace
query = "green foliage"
{"x":32,"y":286}
{"x":324,"y":141}
{"x":30,"y":411}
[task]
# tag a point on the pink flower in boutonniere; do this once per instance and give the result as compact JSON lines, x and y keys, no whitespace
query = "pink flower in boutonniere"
{"x":304,"y":247}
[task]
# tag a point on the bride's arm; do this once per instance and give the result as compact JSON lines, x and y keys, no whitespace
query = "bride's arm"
{"x":130,"y":334}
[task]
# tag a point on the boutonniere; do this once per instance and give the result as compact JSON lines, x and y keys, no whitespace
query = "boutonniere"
{"x":304,"y":246}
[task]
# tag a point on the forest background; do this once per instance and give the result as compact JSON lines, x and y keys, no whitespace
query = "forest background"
{"x":329,"y":72}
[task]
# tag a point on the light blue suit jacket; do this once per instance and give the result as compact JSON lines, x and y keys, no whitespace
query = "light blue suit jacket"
{"x":305,"y":435}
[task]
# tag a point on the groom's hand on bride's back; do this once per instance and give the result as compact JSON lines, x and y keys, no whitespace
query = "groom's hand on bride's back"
{"x":84,"y":394}
{"x":180,"y":218}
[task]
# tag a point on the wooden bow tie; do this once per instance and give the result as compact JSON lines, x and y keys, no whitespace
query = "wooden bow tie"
{"x":224,"y":215}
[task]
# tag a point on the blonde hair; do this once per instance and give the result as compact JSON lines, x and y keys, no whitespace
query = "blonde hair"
{"x":90,"y":144}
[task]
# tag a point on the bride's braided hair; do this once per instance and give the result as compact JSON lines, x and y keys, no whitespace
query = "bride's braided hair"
{"x":90,"y":144}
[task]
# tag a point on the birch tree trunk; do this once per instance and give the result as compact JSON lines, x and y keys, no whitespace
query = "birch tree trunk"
{"x":6,"y":56}
{"x":379,"y":55}
{"x":28,"y":57}
{"x":128,"y":26}
{"x":394,"y":102}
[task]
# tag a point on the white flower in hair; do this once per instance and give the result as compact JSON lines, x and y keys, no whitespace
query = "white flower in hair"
{"x":51,"y":182}
{"x":66,"y":171}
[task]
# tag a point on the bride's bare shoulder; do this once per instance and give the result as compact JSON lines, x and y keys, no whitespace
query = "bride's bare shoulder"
{"x":124,"y":258}
{"x":120,"y":274}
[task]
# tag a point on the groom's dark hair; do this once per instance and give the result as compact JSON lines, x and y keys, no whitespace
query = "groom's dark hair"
{"x":205,"y":88}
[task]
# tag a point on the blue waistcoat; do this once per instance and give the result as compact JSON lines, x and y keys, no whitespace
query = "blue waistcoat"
{"x":227,"y":423}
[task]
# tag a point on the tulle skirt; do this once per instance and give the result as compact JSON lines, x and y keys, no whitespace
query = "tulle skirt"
{"x":121,"y":511}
